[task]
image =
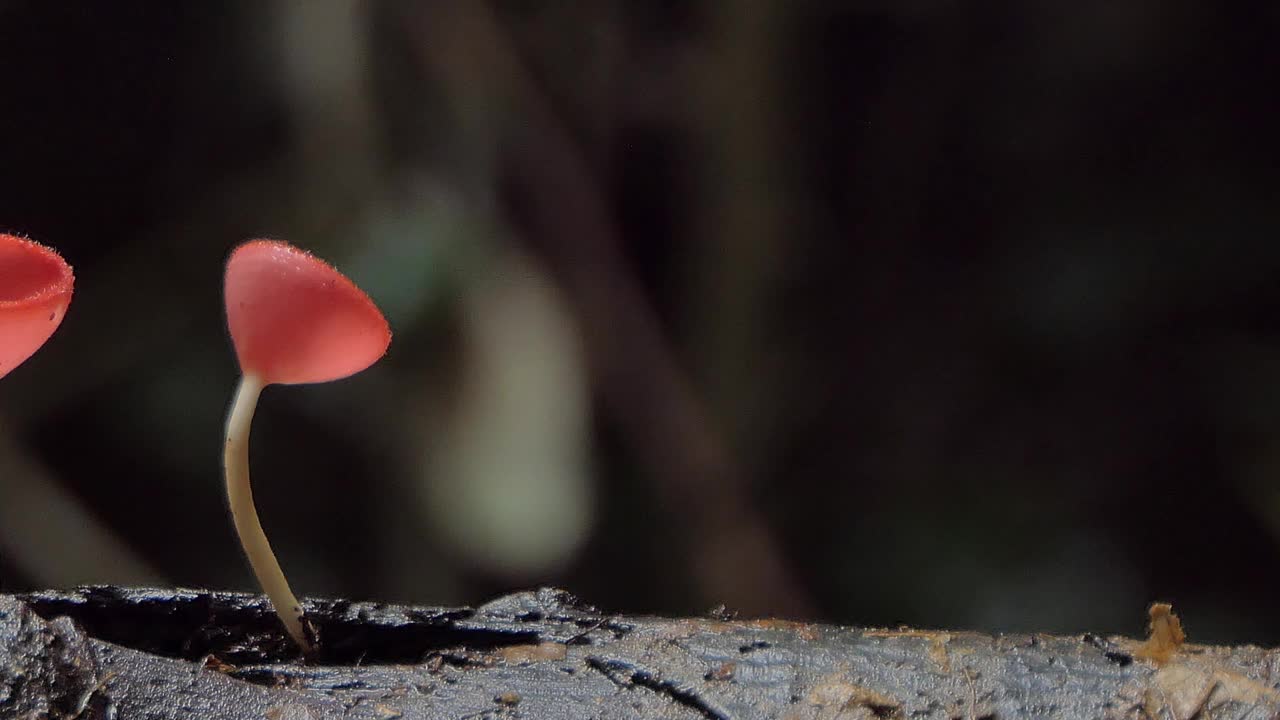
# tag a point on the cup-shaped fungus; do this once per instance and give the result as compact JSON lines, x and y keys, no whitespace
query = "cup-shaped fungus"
{"x":294,"y":319}
{"x":35,"y":290}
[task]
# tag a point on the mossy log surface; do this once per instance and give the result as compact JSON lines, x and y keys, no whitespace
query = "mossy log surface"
{"x":107,"y":652}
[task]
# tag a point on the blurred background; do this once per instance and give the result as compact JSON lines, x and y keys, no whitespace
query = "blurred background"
{"x":949,"y":314}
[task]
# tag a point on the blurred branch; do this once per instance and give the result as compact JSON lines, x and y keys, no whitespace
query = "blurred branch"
{"x":737,"y":559}
{"x":324,"y":72}
{"x":48,"y":534}
{"x":742,"y":222}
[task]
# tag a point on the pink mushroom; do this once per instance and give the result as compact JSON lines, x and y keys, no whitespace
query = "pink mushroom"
{"x":35,"y":290}
{"x":294,"y":319}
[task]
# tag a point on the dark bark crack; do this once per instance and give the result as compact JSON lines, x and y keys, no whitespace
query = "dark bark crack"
{"x":626,"y":675}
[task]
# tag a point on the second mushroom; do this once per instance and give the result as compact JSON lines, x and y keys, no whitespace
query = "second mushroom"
{"x":294,"y":319}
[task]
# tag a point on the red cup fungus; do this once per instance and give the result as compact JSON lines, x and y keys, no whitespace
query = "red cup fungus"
{"x":294,"y":319}
{"x":35,"y":290}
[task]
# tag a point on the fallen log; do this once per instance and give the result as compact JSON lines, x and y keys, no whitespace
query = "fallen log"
{"x":106,"y":652}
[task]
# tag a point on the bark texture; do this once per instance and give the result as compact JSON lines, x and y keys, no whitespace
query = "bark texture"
{"x":107,"y":652}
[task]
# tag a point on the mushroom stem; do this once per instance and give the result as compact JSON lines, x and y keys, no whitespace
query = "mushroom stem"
{"x":245,"y":515}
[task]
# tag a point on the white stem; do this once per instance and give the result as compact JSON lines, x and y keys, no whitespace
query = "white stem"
{"x":240,"y":496}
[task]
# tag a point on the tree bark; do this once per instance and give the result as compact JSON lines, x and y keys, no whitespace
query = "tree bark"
{"x":106,"y":652}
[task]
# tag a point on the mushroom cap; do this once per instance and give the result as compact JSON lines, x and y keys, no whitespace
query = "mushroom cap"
{"x":35,"y":290}
{"x":295,"y":319}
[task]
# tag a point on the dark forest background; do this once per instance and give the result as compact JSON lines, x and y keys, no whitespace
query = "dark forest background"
{"x":928,"y":312}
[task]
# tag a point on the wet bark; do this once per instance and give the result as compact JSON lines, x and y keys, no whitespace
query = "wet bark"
{"x":113,"y":653}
